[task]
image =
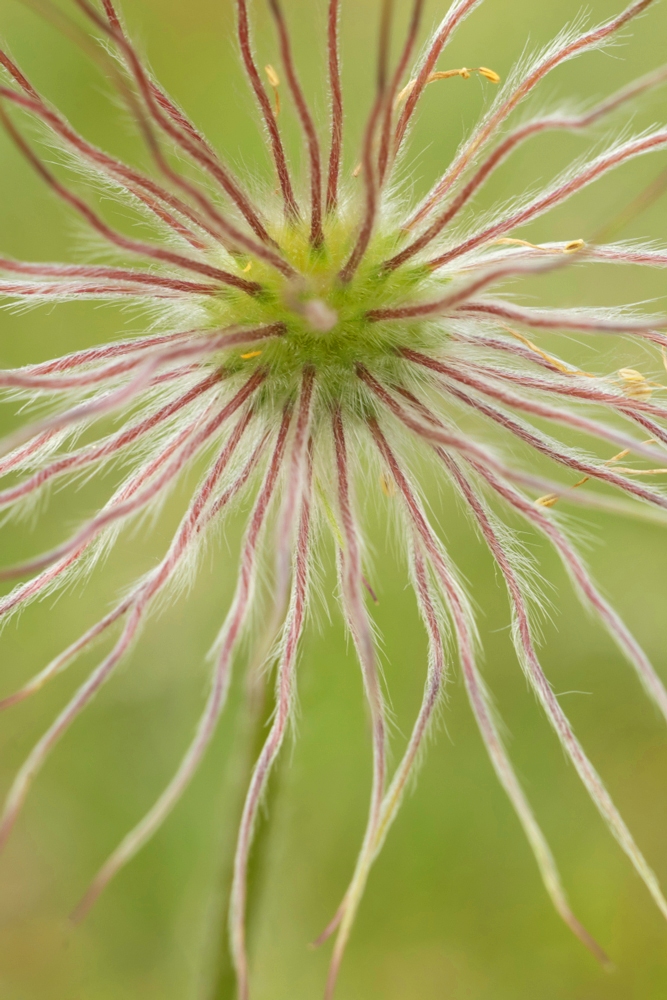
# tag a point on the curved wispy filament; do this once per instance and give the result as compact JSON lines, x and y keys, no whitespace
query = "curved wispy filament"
{"x":300,"y":366}
{"x":569,"y":45}
{"x":221,"y":674}
{"x":479,"y":699}
{"x":285,"y":684}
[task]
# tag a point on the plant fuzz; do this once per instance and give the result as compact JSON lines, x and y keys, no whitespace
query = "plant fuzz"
{"x":315,"y":339}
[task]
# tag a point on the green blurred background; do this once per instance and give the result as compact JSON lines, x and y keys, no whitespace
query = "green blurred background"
{"x":454,"y":907}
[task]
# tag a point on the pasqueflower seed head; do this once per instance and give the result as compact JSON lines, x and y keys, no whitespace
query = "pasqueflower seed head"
{"x":308,"y":341}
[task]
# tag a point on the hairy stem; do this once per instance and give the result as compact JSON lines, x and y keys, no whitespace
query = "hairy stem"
{"x":256,"y":716}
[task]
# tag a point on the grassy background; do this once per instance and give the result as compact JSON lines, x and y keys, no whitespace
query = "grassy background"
{"x":454,"y":907}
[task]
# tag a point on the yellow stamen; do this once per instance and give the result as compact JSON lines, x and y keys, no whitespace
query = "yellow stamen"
{"x":357,"y":170}
{"x":643,"y":472}
{"x":274,"y":81}
{"x":447,"y":74}
{"x":635,"y":472}
{"x":636,"y":385}
{"x":571,"y":247}
{"x":247,"y":267}
{"x":251,"y":354}
{"x":547,"y":501}
{"x":543,"y":354}
{"x":552,"y":498}
{"x":631,"y":375}
{"x":388,"y":486}
{"x":272,"y":76}
{"x":509,"y":241}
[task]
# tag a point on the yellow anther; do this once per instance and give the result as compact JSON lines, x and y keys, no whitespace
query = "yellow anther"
{"x":387,"y":485}
{"x":271,"y":75}
{"x":636,"y":385}
{"x":547,"y":501}
{"x":251,"y":354}
{"x":247,"y":267}
{"x":357,"y":170}
{"x":274,"y":81}
{"x":573,"y":246}
{"x":446,"y":74}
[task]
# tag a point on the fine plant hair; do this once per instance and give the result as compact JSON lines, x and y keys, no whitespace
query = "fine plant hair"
{"x":310,"y":338}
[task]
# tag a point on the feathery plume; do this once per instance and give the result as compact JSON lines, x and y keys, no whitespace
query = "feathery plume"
{"x":330,"y":331}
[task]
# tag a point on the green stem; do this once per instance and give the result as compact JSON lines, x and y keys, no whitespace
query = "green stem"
{"x":259,"y":707}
